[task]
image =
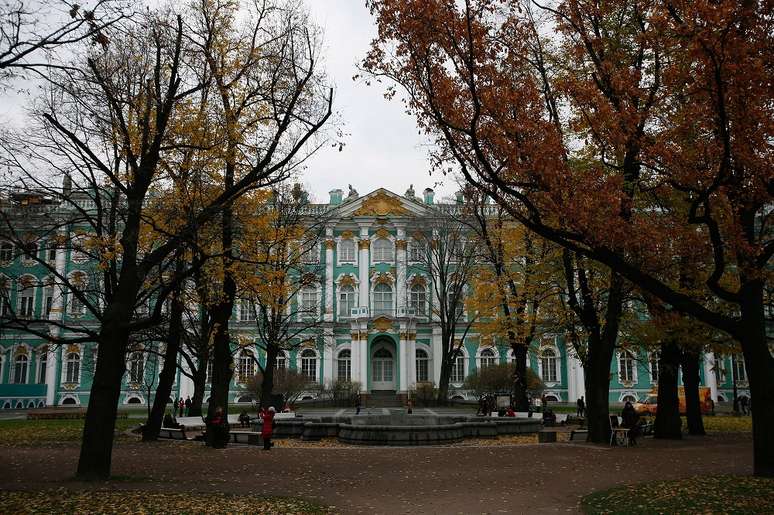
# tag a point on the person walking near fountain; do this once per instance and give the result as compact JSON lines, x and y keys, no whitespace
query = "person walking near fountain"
{"x":268,"y":427}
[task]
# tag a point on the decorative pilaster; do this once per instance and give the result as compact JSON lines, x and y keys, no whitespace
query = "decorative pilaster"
{"x":400,"y":245}
{"x":57,"y":315}
{"x":436,"y":354}
{"x":329,"y":245}
{"x":710,"y":379}
{"x":329,"y":343}
{"x":364,"y":246}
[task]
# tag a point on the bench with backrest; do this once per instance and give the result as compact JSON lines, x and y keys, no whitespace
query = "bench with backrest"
{"x":618,"y":434}
{"x":246,"y":437}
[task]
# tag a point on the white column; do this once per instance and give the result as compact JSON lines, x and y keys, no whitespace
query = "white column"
{"x":710,"y":379}
{"x":364,"y":267}
{"x":330,"y":243}
{"x":436,"y":355}
{"x":329,"y":344}
{"x":402,"y":352}
{"x":355,"y":356}
{"x":56,"y":314}
{"x":411,"y":351}
{"x":401,"y":268}
{"x":364,"y":360}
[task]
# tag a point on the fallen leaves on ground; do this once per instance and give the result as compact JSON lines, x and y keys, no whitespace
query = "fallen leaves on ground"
{"x":36,"y":432}
{"x":704,"y":494}
{"x":131,"y":501}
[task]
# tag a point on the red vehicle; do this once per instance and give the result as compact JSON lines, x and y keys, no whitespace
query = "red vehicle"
{"x":650,"y":405}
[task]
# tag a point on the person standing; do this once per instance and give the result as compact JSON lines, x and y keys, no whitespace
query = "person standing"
{"x":180,"y":406}
{"x":187,"y":405}
{"x":357,"y":403}
{"x":268,"y":427}
{"x":581,"y":406}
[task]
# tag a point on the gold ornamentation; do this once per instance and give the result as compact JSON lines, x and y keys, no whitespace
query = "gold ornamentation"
{"x":408,"y":336}
{"x":347,"y":280}
{"x":330,"y":244}
{"x":382,"y":324}
{"x":73,"y":348}
{"x":381,"y":204}
{"x":69,"y":386}
{"x":383,"y":233}
{"x":401,"y":244}
{"x":382,"y":278}
{"x":308,"y":344}
{"x":21,"y":351}
{"x":364,"y":244}
{"x":418,"y":236}
{"x":354,"y":337}
{"x":346,"y":235}
{"x":419,"y":280}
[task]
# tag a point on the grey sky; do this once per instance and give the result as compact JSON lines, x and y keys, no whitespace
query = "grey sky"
{"x":383,"y":146}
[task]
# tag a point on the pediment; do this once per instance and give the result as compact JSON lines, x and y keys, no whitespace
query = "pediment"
{"x":382,"y":203}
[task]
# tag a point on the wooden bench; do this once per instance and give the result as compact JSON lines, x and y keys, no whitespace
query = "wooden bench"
{"x":246,"y":437}
{"x":618,"y":434}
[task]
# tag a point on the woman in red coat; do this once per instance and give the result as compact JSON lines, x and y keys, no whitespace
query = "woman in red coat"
{"x":268,"y":427}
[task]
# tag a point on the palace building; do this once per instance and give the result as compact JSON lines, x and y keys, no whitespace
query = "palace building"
{"x":376,"y":323}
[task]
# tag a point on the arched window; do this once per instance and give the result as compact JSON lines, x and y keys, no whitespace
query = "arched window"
{"x":548,"y":365}
{"x":740,"y":373}
{"x":136,"y":368}
{"x":134,"y":400}
{"x":20,"y":367}
{"x":282,"y":361}
{"x":48,"y":297}
{"x":6,"y":251}
{"x":30,"y":252}
{"x":654,"y":357}
{"x":69,"y":401}
{"x":626,"y":367}
{"x":346,"y":301}
{"x":347,"y":251}
{"x":418,"y":299}
{"x":344,"y":366}
{"x":629,"y":398}
{"x":383,"y":299}
{"x":486,"y":358}
{"x":73,"y":368}
{"x":383,"y":250}
{"x":309,"y":364}
{"x":458,"y":370}
{"x":308,"y":307}
{"x":26,"y":298}
{"x":246,"y":369}
{"x":423,"y":366}
{"x":42,"y":363}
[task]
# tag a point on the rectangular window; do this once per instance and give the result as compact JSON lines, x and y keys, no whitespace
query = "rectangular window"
{"x":51,"y":254}
{"x":458,"y":370}
{"x":415,"y":251}
{"x":76,"y":306}
{"x":422,"y":370}
{"x":347,"y":251}
{"x":308,"y":303}
{"x":25,"y":305}
{"x":346,"y":303}
{"x":246,"y":311}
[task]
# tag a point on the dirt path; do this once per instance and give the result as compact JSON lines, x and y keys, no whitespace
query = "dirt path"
{"x":538,"y":478}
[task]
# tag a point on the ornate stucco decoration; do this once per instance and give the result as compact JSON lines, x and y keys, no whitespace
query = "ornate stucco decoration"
{"x":401,"y":244}
{"x":364,"y":244}
{"x":309,"y":344}
{"x":418,"y":280}
{"x":381,"y":204}
{"x":346,"y":235}
{"x":21,"y":351}
{"x":73,"y":348}
{"x":382,"y":324}
{"x":330,"y":244}
{"x":382,"y":278}
{"x":383,"y":233}
{"x":347,"y":280}
{"x":408,"y":336}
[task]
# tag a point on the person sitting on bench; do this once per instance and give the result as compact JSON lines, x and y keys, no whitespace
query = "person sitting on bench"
{"x":630,"y":419}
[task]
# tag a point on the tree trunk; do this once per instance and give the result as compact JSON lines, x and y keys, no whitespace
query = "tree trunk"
{"x":443,"y":382}
{"x":520,"y":401}
{"x":97,"y":443}
{"x":668,"y":424}
{"x":167,"y":377}
{"x":199,"y":380}
{"x":597,"y":382}
{"x":267,"y":382}
{"x":760,"y":371}
{"x":690,"y":364}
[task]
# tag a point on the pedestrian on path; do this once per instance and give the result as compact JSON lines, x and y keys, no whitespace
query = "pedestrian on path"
{"x":268,"y":427}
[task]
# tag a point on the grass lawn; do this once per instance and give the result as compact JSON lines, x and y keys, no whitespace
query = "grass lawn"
{"x":103,"y":501}
{"x":34,"y":432}
{"x":723,"y":424}
{"x":708,"y":494}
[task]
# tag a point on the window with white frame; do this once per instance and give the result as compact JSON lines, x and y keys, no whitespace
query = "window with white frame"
{"x":548,"y":364}
{"x":30,"y":253}
{"x":136,"y":367}
{"x":42,"y":365}
{"x":26,"y":296}
{"x":51,"y":252}
{"x":739,"y":370}
{"x":418,"y":299}
{"x":346,"y":301}
{"x":308,"y":307}
{"x":626,"y":367}
{"x":282,"y":361}
{"x":76,"y":305}
{"x":423,"y":366}
{"x":72,"y":368}
{"x":246,"y":310}
{"x":486,"y":358}
{"x":347,"y":251}
{"x":5,"y":296}
{"x":344,"y":366}
{"x":78,"y":253}
{"x":654,"y":357}
{"x":309,"y":364}
{"x":416,"y":251}
{"x":246,"y":369}
{"x":20,"y":367}
{"x":48,"y":297}
{"x":384,"y":251}
{"x":6,"y":251}
{"x":458,"y":370}
{"x":311,"y":253}
{"x":382,"y":299}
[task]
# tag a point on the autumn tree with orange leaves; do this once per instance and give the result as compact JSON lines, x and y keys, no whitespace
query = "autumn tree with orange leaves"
{"x":669,"y":107}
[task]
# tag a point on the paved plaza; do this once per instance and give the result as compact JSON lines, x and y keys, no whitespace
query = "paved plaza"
{"x":535,"y":478}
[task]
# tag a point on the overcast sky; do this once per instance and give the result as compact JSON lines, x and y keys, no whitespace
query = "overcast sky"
{"x":383,"y":147}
